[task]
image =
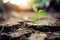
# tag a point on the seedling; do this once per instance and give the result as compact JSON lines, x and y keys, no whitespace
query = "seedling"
{"x":40,"y":12}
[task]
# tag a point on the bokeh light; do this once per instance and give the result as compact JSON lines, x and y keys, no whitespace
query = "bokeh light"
{"x":25,"y":4}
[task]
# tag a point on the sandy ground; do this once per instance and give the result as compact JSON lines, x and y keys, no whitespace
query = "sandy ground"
{"x":13,"y":17}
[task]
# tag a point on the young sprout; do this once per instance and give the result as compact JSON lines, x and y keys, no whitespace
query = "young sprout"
{"x":40,"y":12}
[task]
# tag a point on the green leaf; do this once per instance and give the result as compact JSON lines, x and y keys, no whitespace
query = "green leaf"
{"x":35,"y":19}
{"x":41,"y":13}
{"x":35,"y":9}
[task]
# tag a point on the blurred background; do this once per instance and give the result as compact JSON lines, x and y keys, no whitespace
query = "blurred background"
{"x":1,"y":5}
{"x":16,"y":19}
{"x":27,"y":4}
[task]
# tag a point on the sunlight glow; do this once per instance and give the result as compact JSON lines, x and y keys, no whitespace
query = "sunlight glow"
{"x":21,"y":3}
{"x":5,"y":1}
